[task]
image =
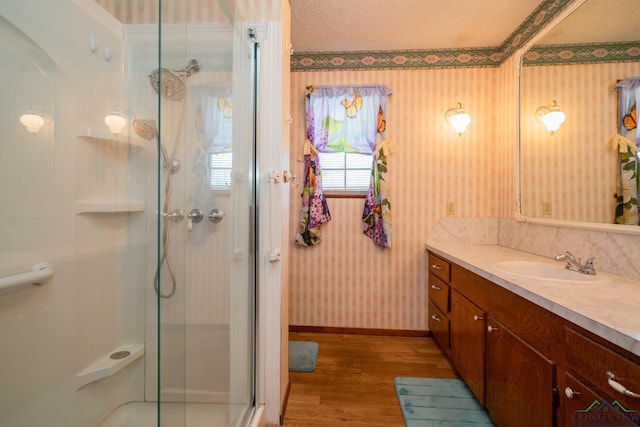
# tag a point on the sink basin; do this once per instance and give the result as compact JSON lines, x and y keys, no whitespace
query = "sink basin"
{"x":548,"y":272}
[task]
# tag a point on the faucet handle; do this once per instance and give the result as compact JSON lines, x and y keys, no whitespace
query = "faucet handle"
{"x":565,"y":255}
{"x":589,"y":268}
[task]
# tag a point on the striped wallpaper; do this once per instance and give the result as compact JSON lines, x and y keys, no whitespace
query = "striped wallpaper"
{"x":193,"y":11}
{"x":346,"y":281}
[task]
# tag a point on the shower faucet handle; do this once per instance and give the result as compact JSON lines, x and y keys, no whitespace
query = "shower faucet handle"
{"x":215,"y":215}
{"x":195,"y":215}
{"x":176,"y":215}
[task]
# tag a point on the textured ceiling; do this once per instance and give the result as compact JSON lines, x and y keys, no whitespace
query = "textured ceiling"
{"x":598,"y":21}
{"x":371,"y":25}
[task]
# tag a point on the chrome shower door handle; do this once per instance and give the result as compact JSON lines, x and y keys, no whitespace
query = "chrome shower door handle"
{"x":215,"y":215}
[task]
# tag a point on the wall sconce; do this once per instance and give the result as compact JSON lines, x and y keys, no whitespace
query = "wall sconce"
{"x":457,"y":118}
{"x":552,"y":116}
{"x":33,"y":122}
{"x":115,"y":121}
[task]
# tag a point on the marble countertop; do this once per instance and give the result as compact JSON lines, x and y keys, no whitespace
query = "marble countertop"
{"x":610,"y":309}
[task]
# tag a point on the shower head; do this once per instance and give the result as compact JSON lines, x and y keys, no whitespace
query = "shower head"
{"x":170,"y":83}
{"x":146,"y":129}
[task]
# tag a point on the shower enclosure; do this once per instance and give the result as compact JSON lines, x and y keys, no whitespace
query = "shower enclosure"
{"x":128,"y":185}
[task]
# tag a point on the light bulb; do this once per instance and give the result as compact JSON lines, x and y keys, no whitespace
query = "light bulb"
{"x":115,"y":121}
{"x":551,"y":117}
{"x":457,"y":118}
{"x":460,"y":121}
{"x":32,"y":122}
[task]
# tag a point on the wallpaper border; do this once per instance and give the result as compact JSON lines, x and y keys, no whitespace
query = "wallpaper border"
{"x":435,"y":58}
{"x":582,"y":54}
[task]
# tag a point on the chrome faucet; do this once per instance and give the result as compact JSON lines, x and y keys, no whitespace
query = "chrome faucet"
{"x":574,"y":264}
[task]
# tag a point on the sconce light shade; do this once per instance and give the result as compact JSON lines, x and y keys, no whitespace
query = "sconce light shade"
{"x":457,"y":118}
{"x":552,"y":116}
{"x":115,"y":121}
{"x":32,"y":122}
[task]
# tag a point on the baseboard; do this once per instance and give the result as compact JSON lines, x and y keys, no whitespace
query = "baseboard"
{"x":285,"y":401}
{"x":359,"y":331}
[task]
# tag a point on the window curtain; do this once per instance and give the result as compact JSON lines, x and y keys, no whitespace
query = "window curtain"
{"x":348,"y":119}
{"x":626,"y":143}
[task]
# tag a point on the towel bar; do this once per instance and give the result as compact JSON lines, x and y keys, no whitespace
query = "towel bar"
{"x":39,"y":274}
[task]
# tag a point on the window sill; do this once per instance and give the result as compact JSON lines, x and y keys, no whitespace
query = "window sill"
{"x":345,"y":195}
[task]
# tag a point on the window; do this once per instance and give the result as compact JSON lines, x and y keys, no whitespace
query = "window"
{"x":220,"y":171}
{"x":345,"y":172}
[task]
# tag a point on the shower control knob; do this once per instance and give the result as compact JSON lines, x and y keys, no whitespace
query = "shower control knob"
{"x":216,"y":215}
{"x":175,"y":215}
{"x":195,"y":215}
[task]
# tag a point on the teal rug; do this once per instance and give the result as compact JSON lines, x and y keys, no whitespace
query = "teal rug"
{"x":302,"y":356}
{"x":439,"y":402}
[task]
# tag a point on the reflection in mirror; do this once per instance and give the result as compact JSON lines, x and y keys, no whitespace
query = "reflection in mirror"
{"x":571,"y":174}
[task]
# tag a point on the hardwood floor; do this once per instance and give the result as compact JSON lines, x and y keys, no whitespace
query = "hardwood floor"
{"x":352,"y":384}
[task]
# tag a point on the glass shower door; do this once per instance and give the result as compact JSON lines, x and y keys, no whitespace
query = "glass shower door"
{"x":206,"y":286}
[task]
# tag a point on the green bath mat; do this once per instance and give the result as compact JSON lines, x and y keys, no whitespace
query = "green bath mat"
{"x":439,"y":402}
{"x":302,"y":356}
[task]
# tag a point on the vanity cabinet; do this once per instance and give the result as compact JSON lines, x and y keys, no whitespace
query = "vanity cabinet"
{"x":502,"y":346}
{"x":527,"y":365}
{"x":467,"y":343}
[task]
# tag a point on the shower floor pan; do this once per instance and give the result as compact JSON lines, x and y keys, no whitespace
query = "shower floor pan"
{"x":144,"y":414}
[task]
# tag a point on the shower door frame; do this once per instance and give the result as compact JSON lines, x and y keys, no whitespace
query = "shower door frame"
{"x":273,"y":221}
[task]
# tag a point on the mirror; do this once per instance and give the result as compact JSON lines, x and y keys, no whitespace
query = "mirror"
{"x":570,"y":176}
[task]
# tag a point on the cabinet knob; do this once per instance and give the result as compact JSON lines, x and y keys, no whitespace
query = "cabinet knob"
{"x":436,"y":267}
{"x":436,"y":318}
{"x":570,"y":393}
{"x":491,"y":328}
{"x":436,"y":287}
{"x":476,"y":318}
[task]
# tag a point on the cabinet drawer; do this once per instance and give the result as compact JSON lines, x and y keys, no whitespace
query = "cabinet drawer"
{"x":579,"y":409}
{"x":439,"y":326}
{"x":439,"y":293}
{"x":440,"y":267}
{"x":593,"y":361}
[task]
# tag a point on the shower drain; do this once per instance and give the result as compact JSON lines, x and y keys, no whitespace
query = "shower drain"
{"x":120,"y":354}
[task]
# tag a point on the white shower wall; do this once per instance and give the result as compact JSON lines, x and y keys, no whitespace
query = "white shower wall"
{"x":86,"y":201}
{"x":71,"y":198}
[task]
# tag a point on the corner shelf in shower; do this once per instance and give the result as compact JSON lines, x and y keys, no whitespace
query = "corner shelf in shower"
{"x":106,"y":206}
{"x":109,"y":364}
{"x":100,"y":136}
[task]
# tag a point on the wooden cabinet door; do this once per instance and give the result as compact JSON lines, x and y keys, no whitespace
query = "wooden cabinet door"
{"x":520,"y":381}
{"x":467,"y":343}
